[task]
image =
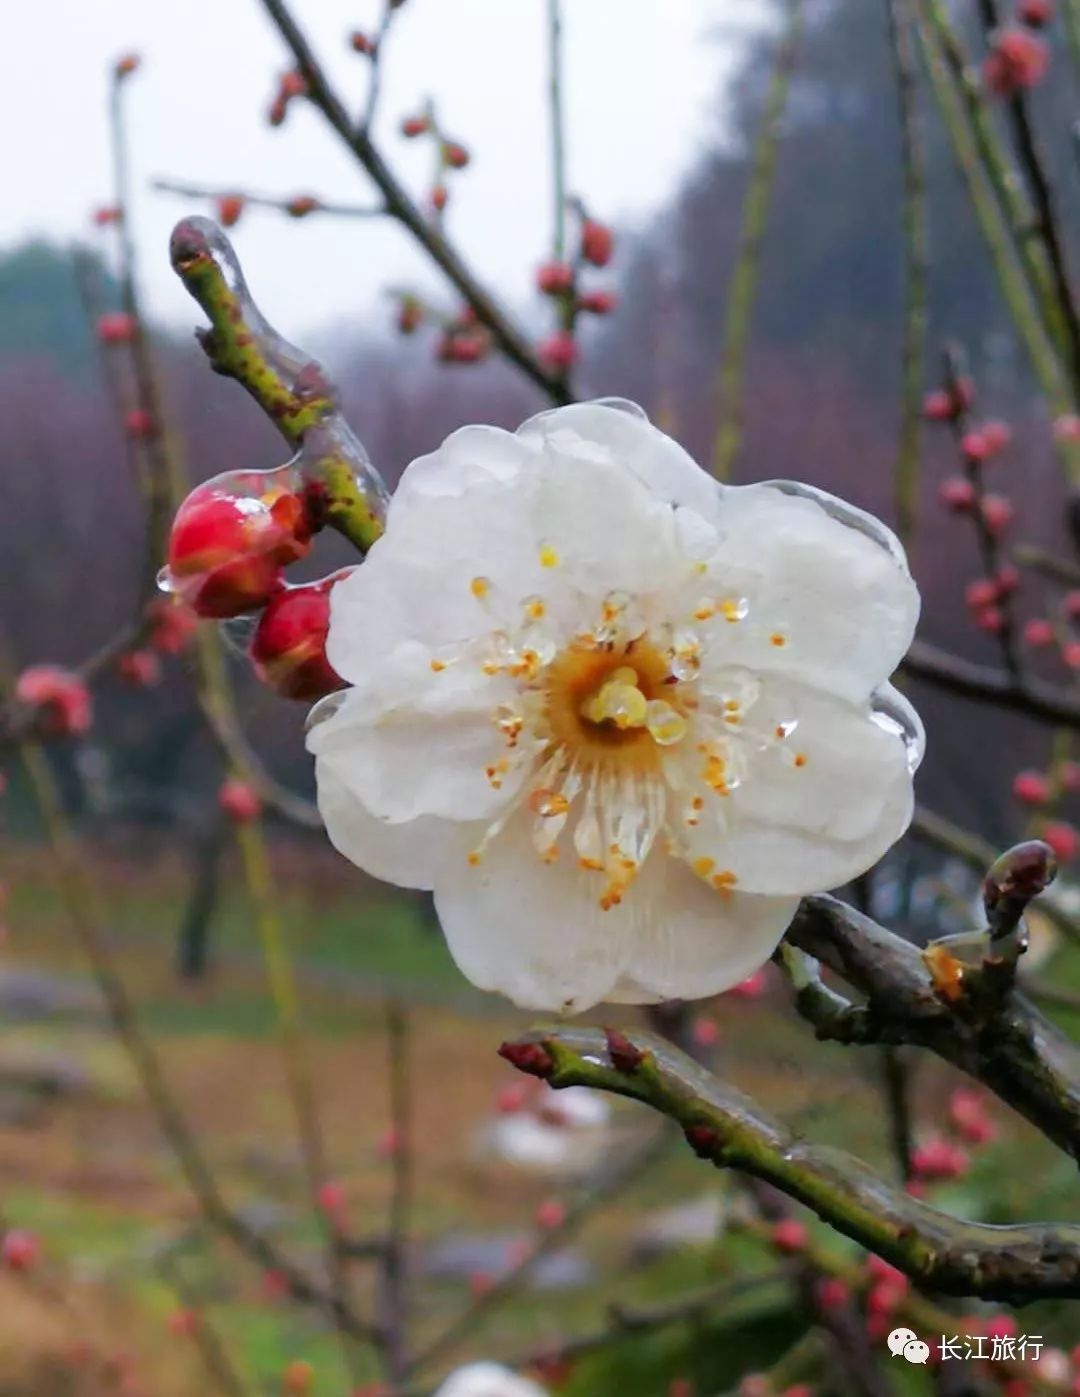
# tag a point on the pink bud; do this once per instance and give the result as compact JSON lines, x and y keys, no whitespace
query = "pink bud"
{"x":414,"y":126}
{"x":302,"y":205}
{"x":550,"y":1214}
{"x":455,"y":155}
{"x":139,"y":668}
{"x":980,"y":593}
{"x":990,"y":619}
{"x":705,"y":1032}
{"x":555,"y":278}
{"x":288,"y":649}
{"x":597,"y":242}
{"x":957,"y":494}
{"x":108,"y":213}
{"x":996,"y":437}
{"x":332,"y":1197}
{"x":60,"y":697}
{"x":20,"y":1250}
{"x":139,"y":424}
{"x":1038,"y":633}
{"x":172,"y":625}
{"x":116,"y":327}
{"x":1035,"y":12}
{"x":597,"y":302}
{"x":831,"y":1292}
{"x":229,"y":209}
{"x":790,"y":1236}
{"x":938,"y":406}
{"x":997,"y":512}
{"x":1008,"y":580}
{"x":360,"y":42}
{"x":240,"y":801}
{"x":753,"y":987}
{"x":559,"y":351}
{"x":1062,"y":838}
{"x":973,"y":445}
{"x":1016,"y":60}
{"x":1030,"y":788}
{"x":439,"y":197}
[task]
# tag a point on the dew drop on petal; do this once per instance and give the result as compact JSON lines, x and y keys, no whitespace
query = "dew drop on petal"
{"x":893,"y":714}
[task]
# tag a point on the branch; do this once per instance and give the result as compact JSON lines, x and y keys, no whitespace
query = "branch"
{"x":987,"y":684}
{"x":1006,"y":1044}
{"x":295,"y":206}
{"x":289,"y":386}
{"x":950,"y":1255}
{"x":400,"y":206}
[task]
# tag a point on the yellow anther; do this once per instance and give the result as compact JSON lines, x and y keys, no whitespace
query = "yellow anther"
{"x":438,"y":666}
{"x":777,"y":639}
{"x":535,"y":608}
{"x":732,"y":705}
{"x":479,"y":587}
{"x":705,"y":611}
{"x":800,"y":758}
{"x":491,"y":667}
{"x":474,"y":857}
{"x":732,"y":610}
{"x":618,"y":701}
{"x":724,"y":881}
{"x":665,"y":724}
{"x":547,"y":804}
{"x":548,"y":557}
{"x":703,"y":867}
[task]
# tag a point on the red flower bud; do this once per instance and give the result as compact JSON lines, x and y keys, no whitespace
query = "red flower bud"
{"x":1016,"y":60}
{"x":957,"y":494}
{"x":462,"y":348}
{"x":455,"y":155}
{"x":533,"y":1058}
{"x":1008,"y":580}
{"x":559,"y":351}
{"x":20,"y":1250}
{"x":1031,"y":788}
{"x":996,"y":437}
{"x":139,"y":668}
{"x":116,"y":327}
{"x":550,"y":1214}
{"x":61,"y":699}
{"x":414,"y":126}
{"x":982,"y":592}
{"x":831,"y":1292}
{"x":625,"y":1057}
{"x":973,"y":445}
{"x":108,"y":213}
{"x":232,"y":537}
{"x":597,"y":242}
{"x":139,"y":424}
{"x":301,"y":206}
{"x":332,"y":1198}
{"x":172,"y":625}
{"x":997,"y":512}
{"x":293,"y":84}
{"x":705,"y":1032}
{"x":939,"y":1159}
{"x":363,"y":43}
{"x":1038,"y":633}
{"x":1062,"y":838}
{"x":183,"y":1323}
{"x":127,"y":65}
{"x":239,"y":801}
{"x":1035,"y":12}
{"x":440,"y":197}
{"x":229,"y":209}
{"x":938,"y":406}
{"x":990,"y":619}
{"x":555,"y":278}
{"x":597,"y":302}
{"x":288,"y":649}
{"x":790,"y":1236}
{"x":410,"y":315}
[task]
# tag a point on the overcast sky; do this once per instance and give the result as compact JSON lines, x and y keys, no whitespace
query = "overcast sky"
{"x":641,"y":79}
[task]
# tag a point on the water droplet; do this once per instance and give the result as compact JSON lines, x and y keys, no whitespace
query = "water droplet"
{"x":893,"y":714}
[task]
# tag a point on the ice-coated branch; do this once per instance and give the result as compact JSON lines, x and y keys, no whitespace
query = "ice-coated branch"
{"x":293,"y":206}
{"x":399,"y":205}
{"x":986,"y":1030}
{"x":289,"y":386}
{"x":939,"y":1252}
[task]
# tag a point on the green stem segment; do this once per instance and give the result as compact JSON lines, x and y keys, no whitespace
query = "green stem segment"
{"x":939,"y":1252}
{"x":287,"y":384}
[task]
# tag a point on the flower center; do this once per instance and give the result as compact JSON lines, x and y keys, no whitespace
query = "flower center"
{"x":613,"y":702}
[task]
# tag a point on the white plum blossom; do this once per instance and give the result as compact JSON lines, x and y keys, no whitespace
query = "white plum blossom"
{"x":617,"y":716}
{"x":488,"y":1380}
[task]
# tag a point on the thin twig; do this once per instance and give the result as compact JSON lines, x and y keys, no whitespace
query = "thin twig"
{"x":987,"y":684}
{"x":742,"y":287}
{"x":558,"y":131}
{"x":282,"y":203}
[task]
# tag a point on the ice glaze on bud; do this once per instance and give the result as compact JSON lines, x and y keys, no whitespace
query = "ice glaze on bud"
{"x":229,"y":207}
{"x":1031,"y":788}
{"x":20,"y":1250}
{"x":233,"y":536}
{"x":240,"y":801}
{"x":957,"y":494}
{"x":1017,"y":60}
{"x":288,"y":649}
{"x":559,"y":351}
{"x":60,"y":697}
{"x":139,"y":424}
{"x":139,"y":668}
{"x":597,"y":302}
{"x":554,"y":278}
{"x":597,"y":242}
{"x":116,"y":327}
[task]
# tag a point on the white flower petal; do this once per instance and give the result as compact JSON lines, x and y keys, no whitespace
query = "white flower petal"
{"x":488,"y":1380}
{"x":627,"y":437}
{"x":409,"y":855}
{"x":817,"y":808}
{"x":842,"y":602}
{"x":427,"y":754}
{"x":535,"y":932}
